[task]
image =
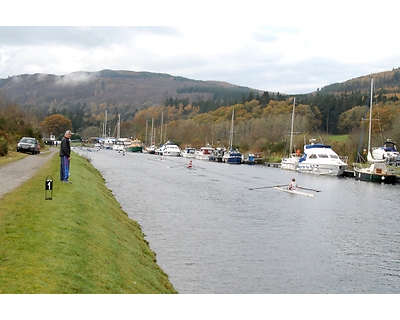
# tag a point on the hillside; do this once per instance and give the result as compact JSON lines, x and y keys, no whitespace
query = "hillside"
{"x":125,"y":90}
{"x":385,"y":82}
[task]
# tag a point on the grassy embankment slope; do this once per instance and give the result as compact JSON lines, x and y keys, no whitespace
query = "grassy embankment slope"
{"x":81,"y":241}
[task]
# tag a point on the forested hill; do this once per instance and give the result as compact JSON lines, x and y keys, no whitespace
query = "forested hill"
{"x":125,"y":91}
{"x":385,"y":82}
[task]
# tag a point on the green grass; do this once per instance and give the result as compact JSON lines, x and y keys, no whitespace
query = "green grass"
{"x":81,"y":241}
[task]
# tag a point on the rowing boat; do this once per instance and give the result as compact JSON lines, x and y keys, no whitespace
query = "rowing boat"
{"x":294,"y":192}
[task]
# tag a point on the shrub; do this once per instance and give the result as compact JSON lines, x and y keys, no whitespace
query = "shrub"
{"x":3,"y":147}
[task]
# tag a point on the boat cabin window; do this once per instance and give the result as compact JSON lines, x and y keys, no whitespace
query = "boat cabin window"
{"x":323,"y":156}
{"x":313,"y":156}
{"x":334,"y":156}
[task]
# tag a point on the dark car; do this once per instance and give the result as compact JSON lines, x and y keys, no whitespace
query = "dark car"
{"x":27,"y":144}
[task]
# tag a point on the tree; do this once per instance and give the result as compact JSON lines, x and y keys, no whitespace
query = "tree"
{"x":56,"y":124}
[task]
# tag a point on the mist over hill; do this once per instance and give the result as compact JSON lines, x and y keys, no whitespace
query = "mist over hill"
{"x":125,"y":90}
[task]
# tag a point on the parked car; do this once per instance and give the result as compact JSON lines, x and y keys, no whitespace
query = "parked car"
{"x":27,"y":144}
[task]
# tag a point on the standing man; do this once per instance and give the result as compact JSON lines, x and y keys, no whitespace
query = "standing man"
{"x":65,"y":154}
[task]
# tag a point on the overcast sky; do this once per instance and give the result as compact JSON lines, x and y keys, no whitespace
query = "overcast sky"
{"x":303,"y":49}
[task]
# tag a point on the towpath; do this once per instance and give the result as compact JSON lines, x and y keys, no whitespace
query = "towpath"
{"x":12,"y":175}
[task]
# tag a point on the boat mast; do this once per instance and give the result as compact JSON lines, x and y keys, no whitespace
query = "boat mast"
{"x":152,"y":129}
{"x":105,"y":125}
{"x":119,"y":127}
{"x":146,"y":139}
{"x":231,"y":132}
{"x":291,"y":131}
{"x":370,"y":118}
{"x":162,"y":120}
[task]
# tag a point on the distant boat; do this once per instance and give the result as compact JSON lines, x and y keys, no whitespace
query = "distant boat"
{"x":204,"y":153}
{"x":121,"y":144}
{"x":135,"y":146}
{"x":189,"y":153}
{"x":387,"y":152}
{"x":254,"y":158}
{"x":108,"y":143}
{"x":169,"y":149}
{"x":377,"y":171}
{"x":232,"y":156}
{"x":217,"y":154}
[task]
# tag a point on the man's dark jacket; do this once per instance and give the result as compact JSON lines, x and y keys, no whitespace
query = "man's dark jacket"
{"x":65,"y":149}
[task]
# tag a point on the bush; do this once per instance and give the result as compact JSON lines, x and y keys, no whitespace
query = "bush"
{"x":3,"y":147}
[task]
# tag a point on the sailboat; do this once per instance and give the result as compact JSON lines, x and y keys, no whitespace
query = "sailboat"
{"x":377,"y":170}
{"x":231,"y":155}
{"x":151,"y":149}
{"x":290,"y":163}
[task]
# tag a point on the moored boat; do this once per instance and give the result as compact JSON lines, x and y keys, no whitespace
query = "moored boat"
{"x":387,"y":152}
{"x":320,"y":159}
{"x":217,"y":154}
{"x":376,"y":170}
{"x":135,"y":146}
{"x":189,"y":153}
{"x":254,"y":158}
{"x":204,"y":153}
{"x":169,"y":149}
{"x":232,"y":156}
{"x":151,"y":149}
{"x":291,"y":162}
{"x":119,"y":145}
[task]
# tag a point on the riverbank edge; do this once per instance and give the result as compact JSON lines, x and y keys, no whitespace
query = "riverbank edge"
{"x":80,"y":241}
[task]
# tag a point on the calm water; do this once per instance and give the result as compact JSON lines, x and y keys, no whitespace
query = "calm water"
{"x":211,"y":234}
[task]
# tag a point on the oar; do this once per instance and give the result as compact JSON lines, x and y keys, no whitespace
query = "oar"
{"x":280,"y":185}
{"x":179,"y":165}
{"x":309,"y":189}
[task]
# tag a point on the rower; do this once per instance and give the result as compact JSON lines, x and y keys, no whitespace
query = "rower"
{"x":293,"y":184}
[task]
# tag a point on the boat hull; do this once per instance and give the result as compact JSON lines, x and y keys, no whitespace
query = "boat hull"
{"x":321,"y":169}
{"x":300,"y":193}
{"x":232,"y":160}
{"x":290,"y":163}
{"x":232,"y":157}
{"x":371,"y":177}
{"x":134,"y":149}
{"x":376,"y":172}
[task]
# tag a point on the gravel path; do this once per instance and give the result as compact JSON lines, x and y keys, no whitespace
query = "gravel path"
{"x":12,"y":175}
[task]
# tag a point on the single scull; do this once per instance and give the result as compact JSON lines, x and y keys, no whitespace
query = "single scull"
{"x":294,"y":192}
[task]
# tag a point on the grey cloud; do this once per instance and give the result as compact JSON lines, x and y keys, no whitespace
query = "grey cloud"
{"x":76,"y":36}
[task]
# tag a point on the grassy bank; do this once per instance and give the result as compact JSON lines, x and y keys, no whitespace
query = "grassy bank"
{"x":79,"y":242}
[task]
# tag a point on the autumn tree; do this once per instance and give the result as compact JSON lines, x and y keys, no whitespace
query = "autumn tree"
{"x":56,"y":124}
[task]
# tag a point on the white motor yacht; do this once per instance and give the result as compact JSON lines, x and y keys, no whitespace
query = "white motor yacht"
{"x":320,"y":159}
{"x":204,"y":153}
{"x":189,"y":153}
